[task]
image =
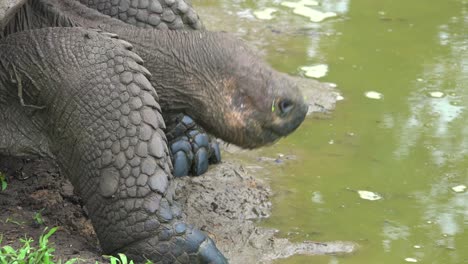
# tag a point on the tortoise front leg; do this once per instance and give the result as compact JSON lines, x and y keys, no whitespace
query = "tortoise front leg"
{"x":104,"y":126}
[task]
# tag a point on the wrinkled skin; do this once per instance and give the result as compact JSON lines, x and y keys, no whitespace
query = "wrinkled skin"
{"x":85,"y":100}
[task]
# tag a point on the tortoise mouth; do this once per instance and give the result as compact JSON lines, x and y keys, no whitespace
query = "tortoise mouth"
{"x":272,"y":132}
{"x":290,"y":123}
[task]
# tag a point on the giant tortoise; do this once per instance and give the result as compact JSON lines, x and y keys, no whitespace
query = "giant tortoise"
{"x":91,"y":91}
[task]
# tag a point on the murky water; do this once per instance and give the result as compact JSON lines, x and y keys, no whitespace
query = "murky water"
{"x":411,"y":147}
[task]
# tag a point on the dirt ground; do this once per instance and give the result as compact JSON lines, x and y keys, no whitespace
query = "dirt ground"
{"x":227,"y":203}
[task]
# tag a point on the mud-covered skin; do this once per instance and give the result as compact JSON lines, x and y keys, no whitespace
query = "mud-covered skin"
{"x":160,"y":14}
{"x":191,"y":147}
{"x":90,"y":99}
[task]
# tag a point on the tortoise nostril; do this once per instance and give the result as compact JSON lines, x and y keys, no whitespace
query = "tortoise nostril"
{"x":285,"y":106}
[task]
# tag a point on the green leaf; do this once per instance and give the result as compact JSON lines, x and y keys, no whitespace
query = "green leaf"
{"x":45,"y":237}
{"x":112,"y":259}
{"x":71,"y":261}
{"x":123,"y":258}
{"x":3,"y":182}
{"x":9,"y":250}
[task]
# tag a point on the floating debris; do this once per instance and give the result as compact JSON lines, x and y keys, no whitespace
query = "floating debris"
{"x":339,"y":97}
{"x":417,"y":246}
{"x":247,"y":13}
{"x":436,"y":94}
{"x":367,"y":195}
{"x":312,"y":14}
{"x":300,"y":3}
{"x":459,"y":188}
{"x":265,"y":14}
{"x":300,"y":8}
{"x":315,"y":71}
{"x":374,"y":95}
{"x":317,"y":198}
{"x":411,"y":260}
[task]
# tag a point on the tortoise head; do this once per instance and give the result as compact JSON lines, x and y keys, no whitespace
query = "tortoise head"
{"x":260,"y":105}
{"x":234,"y":95}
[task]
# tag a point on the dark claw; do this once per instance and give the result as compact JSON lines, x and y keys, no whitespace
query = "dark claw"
{"x":189,"y":140}
{"x":188,"y":121}
{"x":181,"y":164}
{"x":215,"y":156}
{"x":200,"y":164}
{"x":180,"y":242}
{"x":207,"y":252}
{"x":194,"y":238}
{"x":202,"y":140}
{"x":210,"y":253}
{"x":181,"y":144}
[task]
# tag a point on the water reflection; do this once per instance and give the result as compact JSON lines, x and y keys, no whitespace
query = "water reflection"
{"x":393,"y":232}
{"x":440,"y":123}
{"x":337,"y":6}
{"x":285,"y":39}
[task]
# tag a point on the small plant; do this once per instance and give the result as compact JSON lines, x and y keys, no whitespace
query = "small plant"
{"x":28,"y":254}
{"x":122,"y":259}
{"x":13,"y":221}
{"x":3,"y":182}
{"x":43,"y":254}
{"x":38,"y":217}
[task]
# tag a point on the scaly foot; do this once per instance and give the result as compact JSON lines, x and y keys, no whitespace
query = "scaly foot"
{"x":192,"y":148}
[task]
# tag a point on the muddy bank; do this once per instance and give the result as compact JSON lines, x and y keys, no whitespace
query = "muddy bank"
{"x":227,"y":203}
{"x":37,"y":186}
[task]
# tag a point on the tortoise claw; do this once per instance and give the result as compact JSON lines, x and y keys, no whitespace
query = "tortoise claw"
{"x":192,"y":148}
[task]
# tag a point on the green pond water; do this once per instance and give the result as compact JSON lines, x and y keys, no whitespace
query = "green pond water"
{"x":411,"y":147}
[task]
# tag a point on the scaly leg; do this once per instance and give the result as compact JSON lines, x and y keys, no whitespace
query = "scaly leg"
{"x":104,"y":126}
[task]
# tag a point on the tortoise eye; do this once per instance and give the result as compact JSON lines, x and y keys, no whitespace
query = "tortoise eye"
{"x":285,"y":106}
